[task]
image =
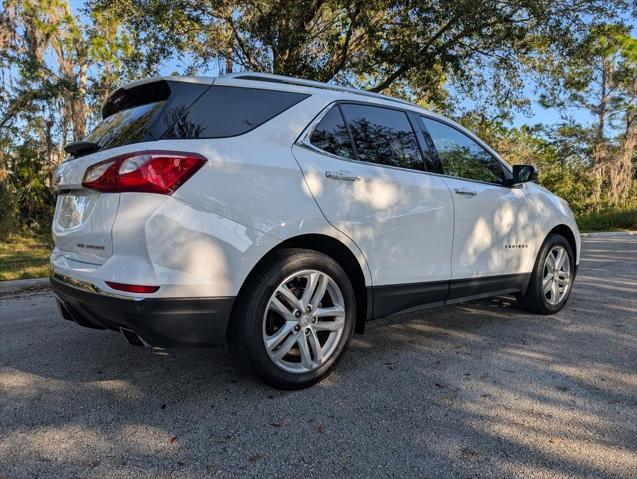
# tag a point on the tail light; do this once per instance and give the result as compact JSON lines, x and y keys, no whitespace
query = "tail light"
{"x":146,"y":172}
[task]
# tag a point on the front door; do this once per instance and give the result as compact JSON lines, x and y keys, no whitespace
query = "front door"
{"x":493,"y":227}
{"x":375,"y":191}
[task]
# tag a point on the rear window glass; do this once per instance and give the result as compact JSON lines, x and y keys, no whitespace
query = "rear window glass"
{"x":382,"y":135}
{"x":331,"y":135}
{"x":126,"y":126}
{"x":230,"y":111}
{"x":144,"y":112}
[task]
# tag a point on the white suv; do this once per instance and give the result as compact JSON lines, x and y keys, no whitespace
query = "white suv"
{"x":278,"y":215}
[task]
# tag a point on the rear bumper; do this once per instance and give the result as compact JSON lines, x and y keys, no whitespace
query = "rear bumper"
{"x":160,"y":322}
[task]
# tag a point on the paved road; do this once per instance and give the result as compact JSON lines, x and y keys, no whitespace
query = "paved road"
{"x":480,"y":390}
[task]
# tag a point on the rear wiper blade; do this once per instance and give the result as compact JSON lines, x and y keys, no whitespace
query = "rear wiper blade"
{"x":78,"y":148}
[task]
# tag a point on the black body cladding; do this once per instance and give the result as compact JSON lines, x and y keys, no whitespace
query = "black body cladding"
{"x":393,"y":299}
{"x":160,"y":322}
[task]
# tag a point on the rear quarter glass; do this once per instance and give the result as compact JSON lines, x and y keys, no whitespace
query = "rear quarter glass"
{"x":225,"y":111}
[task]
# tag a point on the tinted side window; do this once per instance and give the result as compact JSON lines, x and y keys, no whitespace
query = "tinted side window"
{"x":230,"y":111}
{"x":461,"y":156}
{"x":382,"y":135}
{"x":331,"y":134}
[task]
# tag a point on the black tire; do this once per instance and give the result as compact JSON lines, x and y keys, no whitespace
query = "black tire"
{"x":245,"y":331}
{"x":534,"y":299}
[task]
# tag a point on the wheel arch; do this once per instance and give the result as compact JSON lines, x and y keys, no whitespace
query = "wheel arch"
{"x":566,"y":232}
{"x":335,"y":249}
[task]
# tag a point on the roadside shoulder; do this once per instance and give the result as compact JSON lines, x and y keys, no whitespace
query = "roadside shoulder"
{"x":20,"y":286}
{"x":601,"y":234}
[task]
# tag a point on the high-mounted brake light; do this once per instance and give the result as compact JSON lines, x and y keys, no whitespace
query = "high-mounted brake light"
{"x":146,"y":172}
{"x":132,"y":288}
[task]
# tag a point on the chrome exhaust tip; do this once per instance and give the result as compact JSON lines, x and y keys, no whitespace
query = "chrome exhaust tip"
{"x":133,"y":338}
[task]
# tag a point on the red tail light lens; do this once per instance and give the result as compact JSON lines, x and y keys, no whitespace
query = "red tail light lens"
{"x":132,"y":288}
{"x":147,"y":172}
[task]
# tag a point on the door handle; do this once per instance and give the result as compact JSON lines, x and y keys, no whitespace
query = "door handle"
{"x":465,"y":192}
{"x":341,"y":175}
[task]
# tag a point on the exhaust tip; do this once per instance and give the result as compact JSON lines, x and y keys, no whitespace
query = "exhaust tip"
{"x":132,"y":337}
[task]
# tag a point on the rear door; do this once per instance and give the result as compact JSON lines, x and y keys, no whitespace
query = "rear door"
{"x":363,"y":165}
{"x":493,"y":225}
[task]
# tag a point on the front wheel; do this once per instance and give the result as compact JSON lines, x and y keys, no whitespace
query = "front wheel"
{"x":552,"y":278}
{"x":294,"y":318}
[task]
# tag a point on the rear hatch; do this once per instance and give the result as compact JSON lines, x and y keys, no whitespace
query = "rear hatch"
{"x":137,"y":113}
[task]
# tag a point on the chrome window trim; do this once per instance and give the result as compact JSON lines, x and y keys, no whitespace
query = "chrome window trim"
{"x":304,"y":138}
{"x":303,"y":141}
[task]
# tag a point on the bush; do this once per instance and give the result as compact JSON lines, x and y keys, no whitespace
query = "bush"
{"x":609,"y":219}
{"x":572,"y":183}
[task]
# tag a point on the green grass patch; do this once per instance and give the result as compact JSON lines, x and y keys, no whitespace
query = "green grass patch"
{"x":610,"y":219}
{"x":24,"y":256}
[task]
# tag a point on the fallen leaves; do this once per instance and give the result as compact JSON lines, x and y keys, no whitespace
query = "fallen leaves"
{"x":283,"y":422}
{"x":256,"y":457}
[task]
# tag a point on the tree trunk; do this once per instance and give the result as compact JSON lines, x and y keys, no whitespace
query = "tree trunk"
{"x":621,"y":175}
{"x":622,"y":172}
{"x":79,"y":108}
{"x":599,"y":150}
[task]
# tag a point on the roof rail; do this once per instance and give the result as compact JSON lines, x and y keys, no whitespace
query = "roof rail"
{"x":270,"y":77}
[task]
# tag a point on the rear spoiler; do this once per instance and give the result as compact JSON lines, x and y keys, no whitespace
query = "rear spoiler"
{"x":142,"y":92}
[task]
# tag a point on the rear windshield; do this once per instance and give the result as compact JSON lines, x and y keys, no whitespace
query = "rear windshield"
{"x":144,"y":112}
{"x":125,"y":127}
{"x":179,"y":110}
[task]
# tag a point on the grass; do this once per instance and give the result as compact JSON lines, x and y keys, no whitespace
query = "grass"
{"x":24,"y":256}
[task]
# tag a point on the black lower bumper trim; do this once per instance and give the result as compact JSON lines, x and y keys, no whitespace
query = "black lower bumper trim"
{"x":160,"y":322}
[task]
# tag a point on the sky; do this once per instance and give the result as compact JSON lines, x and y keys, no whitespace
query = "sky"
{"x":536,"y":114}
{"x":539,"y":114}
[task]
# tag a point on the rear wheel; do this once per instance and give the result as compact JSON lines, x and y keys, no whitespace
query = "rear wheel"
{"x":552,"y":278}
{"x":293,"y":318}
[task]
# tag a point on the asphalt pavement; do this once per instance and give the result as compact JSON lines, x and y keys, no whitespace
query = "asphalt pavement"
{"x":475,"y":390}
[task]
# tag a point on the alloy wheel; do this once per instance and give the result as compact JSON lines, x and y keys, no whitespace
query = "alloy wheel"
{"x":556,"y":277}
{"x":304,"y":321}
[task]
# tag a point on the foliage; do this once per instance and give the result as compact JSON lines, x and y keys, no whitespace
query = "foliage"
{"x":56,"y":70}
{"x":403,"y":47}
{"x":607,"y":219}
{"x":601,"y":77}
{"x":57,"y":66}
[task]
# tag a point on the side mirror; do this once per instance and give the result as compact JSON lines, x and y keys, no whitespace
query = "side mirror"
{"x":524,"y":174}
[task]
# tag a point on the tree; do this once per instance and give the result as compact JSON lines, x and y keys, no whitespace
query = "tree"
{"x":55,"y":70}
{"x":411,"y":48}
{"x":599,"y":75}
{"x":622,"y":173}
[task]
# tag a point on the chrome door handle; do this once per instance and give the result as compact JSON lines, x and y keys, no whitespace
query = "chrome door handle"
{"x":341,"y":175}
{"x":465,"y":192}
